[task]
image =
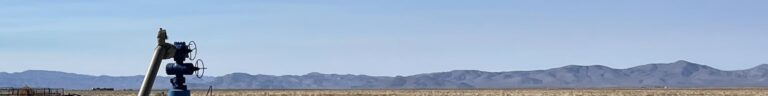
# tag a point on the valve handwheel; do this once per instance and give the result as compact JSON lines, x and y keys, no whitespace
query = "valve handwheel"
{"x":192,"y":45}
{"x":200,"y":64}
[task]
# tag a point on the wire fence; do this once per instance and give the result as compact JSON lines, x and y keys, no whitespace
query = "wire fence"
{"x":26,"y":91}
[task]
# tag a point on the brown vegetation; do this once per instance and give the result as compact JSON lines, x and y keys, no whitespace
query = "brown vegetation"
{"x":483,"y":92}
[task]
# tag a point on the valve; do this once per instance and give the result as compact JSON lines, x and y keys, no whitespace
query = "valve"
{"x":179,"y":51}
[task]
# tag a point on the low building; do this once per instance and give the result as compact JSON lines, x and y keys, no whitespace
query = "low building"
{"x":103,"y":89}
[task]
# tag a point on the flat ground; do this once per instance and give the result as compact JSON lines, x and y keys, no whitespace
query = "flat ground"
{"x":478,"y":92}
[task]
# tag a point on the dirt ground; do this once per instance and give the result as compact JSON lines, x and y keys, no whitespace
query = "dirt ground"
{"x":478,"y":92}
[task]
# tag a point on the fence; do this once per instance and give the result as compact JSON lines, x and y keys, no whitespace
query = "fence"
{"x":26,"y":91}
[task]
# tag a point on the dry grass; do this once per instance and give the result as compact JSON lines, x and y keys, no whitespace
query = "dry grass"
{"x":483,"y":92}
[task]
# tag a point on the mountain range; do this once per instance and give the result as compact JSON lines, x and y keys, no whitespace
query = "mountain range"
{"x":676,"y":74}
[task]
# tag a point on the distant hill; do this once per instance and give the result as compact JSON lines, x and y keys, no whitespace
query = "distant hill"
{"x":675,"y":74}
{"x":56,"y":79}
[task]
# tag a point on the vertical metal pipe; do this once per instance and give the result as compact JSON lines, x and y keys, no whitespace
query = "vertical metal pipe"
{"x":149,"y":78}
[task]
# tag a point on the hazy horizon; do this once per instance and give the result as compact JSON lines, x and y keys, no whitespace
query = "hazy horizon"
{"x":382,"y":38}
{"x":396,"y":75}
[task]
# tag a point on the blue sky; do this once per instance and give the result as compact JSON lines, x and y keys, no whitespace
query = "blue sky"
{"x":382,"y":37}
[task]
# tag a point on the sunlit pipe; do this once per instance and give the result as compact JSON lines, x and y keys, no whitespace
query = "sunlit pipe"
{"x":162,"y":51}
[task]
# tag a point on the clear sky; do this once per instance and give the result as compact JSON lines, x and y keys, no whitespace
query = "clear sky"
{"x":382,"y":37}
